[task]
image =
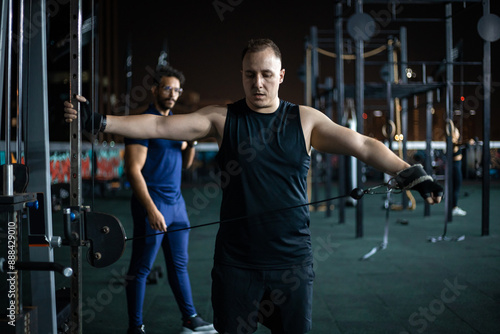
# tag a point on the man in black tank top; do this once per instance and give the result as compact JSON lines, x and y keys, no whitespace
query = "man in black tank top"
{"x":263,"y":259}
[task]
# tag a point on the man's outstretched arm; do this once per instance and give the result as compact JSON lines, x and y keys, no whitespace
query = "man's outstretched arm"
{"x":187,"y":127}
{"x":327,"y":136}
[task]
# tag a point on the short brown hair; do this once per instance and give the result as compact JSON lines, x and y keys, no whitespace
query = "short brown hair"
{"x":259,"y":44}
{"x":168,"y":71}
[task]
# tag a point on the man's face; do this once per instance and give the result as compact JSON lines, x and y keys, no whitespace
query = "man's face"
{"x":166,"y":93}
{"x":262,"y":75}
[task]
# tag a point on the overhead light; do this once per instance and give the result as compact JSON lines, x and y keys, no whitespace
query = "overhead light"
{"x":409,"y":73}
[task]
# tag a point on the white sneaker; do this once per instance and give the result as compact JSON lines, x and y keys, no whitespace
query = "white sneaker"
{"x":458,"y":212}
{"x":197,"y":325}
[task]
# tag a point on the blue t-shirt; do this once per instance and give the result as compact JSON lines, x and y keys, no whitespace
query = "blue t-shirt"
{"x":163,"y":167}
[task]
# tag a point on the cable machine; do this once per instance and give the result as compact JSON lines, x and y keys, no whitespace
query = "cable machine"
{"x":25,"y":201}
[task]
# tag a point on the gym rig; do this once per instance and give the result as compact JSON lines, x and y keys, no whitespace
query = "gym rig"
{"x":25,"y":202}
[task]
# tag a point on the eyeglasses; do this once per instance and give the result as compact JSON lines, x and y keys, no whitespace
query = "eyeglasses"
{"x":176,"y":90}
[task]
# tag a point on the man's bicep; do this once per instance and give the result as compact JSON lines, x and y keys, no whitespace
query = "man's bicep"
{"x":193,"y":126}
{"x":328,"y":136}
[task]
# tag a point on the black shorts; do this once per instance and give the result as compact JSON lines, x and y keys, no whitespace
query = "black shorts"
{"x":279,"y":299}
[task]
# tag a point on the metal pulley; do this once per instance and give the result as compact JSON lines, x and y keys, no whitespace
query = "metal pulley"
{"x":102,"y":233}
{"x":106,"y":238}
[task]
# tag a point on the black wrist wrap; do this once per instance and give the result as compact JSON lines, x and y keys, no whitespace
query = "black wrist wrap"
{"x":416,"y":178}
{"x":92,"y":122}
{"x":411,"y":176}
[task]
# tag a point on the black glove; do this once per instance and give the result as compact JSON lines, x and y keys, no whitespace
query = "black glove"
{"x":87,"y":116}
{"x":417,"y":179}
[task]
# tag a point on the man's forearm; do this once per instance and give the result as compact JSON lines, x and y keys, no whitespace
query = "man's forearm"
{"x":382,"y":158}
{"x":135,"y":126}
{"x":140,"y":189}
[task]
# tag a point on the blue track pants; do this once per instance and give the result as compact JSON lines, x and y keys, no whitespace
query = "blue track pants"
{"x":144,"y":251}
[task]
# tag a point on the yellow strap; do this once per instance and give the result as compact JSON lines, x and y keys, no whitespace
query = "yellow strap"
{"x":352,"y":57}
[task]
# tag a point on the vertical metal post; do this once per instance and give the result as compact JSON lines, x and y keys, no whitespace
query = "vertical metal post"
{"x":314,"y":66}
{"x":18,"y":149}
{"x":8,"y":170}
{"x":404,"y":102}
{"x":308,"y":102}
{"x":360,"y":101}
{"x":449,"y":112}
{"x":390,"y":79}
{"x":75,"y":167}
{"x":307,"y":69}
{"x":428,"y":142}
{"x":19,"y":121}
{"x":339,"y":69}
{"x":96,"y":77}
{"x":75,"y":89}
{"x":3,"y":33}
{"x":485,"y":221}
{"x":7,"y":128}
{"x":390,"y":123}
{"x":314,"y":94}
{"x":129,"y":77}
{"x":328,"y":160}
{"x":404,"y":79}
{"x":38,"y":158}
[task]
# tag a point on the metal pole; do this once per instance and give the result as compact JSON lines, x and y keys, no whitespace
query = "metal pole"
{"x":129,"y":76}
{"x":315,"y":104}
{"x":390,"y":124}
{"x":307,"y":69}
{"x":428,"y":143}
{"x":20,"y":82}
{"x":360,"y":100}
{"x":485,"y":221}
{"x":339,"y":69}
{"x":449,"y":113}
{"x":314,"y":66}
{"x":75,"y":164}
{"x":75,"y":89}
{"x":9,"y":90}
{"x":3,"y":33}
{"x":404,"y":103}
{"x":37,"y":156}
{"x":390,"y":79}
{"x":8,"y":170}
{"x":328,"y":161}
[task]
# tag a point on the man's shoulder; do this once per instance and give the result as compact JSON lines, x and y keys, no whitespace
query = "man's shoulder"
{"x":308,"y":111}
{"x":311,"y":116}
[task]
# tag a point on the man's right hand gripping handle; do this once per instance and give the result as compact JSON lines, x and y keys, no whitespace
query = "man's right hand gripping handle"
{"x":417,"y":179}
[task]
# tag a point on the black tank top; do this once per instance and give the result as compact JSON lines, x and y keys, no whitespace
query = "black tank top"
{"x":264,"y":163}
